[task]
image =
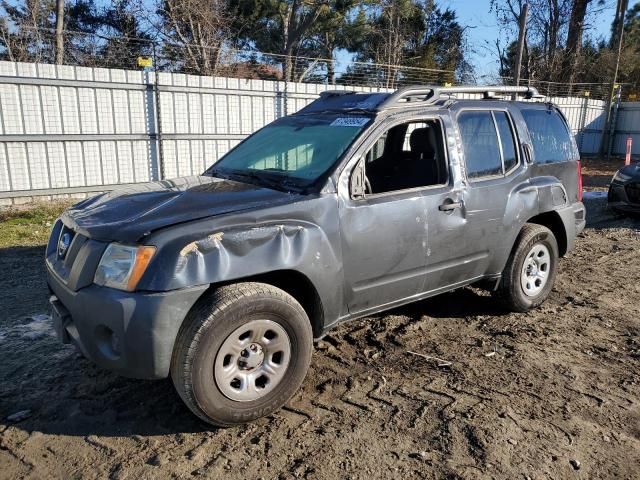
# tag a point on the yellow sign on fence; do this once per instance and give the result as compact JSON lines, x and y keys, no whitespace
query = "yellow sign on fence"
{"x":145,"y":62}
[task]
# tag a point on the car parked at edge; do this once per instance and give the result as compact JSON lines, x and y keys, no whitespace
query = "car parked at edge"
{"x":354,"y":205}
{"x":624,"y":190}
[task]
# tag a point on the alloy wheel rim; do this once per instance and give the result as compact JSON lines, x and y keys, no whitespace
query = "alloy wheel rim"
{"x":252,"y":361}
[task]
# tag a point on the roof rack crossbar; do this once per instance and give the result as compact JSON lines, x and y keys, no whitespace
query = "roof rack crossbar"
{"x":434,"y":93}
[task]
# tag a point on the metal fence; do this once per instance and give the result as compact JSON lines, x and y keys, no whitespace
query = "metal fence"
{"x":69,"y":129}
{"x":627,"y":124}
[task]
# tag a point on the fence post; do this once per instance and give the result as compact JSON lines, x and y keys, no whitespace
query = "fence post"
{"x":613,"y":122}
{"x":583,"y":122}
{"x":285,"y":97}
{"x":156,"y":138}
{"x":152,"y":125}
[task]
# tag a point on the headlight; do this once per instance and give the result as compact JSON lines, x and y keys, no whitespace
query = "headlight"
{"x":621,"y":177}
{"x":122,"y":266}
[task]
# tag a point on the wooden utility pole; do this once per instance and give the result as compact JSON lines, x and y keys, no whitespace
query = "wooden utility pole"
{"x":620,"y":13}
{"x":521,"y":39}
{"x":607,"y":136}
{"x":59,"y":32}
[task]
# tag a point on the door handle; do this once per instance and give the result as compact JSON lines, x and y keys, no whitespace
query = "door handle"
{"x":528,"y":152}
{"x":449,"y":206}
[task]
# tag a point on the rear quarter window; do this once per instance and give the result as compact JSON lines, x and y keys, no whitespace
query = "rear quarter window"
{"x":549,"y":135}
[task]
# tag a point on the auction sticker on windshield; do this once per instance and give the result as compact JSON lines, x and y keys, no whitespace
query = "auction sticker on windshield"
{"x":350,"y":122}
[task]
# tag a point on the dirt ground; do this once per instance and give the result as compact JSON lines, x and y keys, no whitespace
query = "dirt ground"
{"x":554,"y":393}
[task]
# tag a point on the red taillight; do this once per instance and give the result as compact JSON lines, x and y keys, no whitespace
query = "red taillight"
{"x":579,"y":163}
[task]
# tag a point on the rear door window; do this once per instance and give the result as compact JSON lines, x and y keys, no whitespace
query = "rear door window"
{"x":489,"y":143}
{"x":480,"y":143}
{"x":549,"y":135}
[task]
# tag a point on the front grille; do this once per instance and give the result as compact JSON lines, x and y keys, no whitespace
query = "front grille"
{"x":64,"y":246}
{"x":65,"y":238}
{"x":633,"y":192}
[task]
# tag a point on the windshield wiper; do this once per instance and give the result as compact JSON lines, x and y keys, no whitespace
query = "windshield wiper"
{"x":279,"y":183}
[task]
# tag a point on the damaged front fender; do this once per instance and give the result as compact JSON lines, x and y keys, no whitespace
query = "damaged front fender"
{"x":242,"y":252}
{"x":218,"y":251}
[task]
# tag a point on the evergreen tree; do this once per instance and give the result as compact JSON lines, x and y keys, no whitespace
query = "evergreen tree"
{"x":126,"y":40}
{"x":409,"y":33}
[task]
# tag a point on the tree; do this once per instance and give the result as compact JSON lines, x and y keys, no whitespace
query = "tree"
{"x":59,"y":31}
{"x":126,"y":39}
{"x":401,"y":34}
{"x":335,"y":30}
{"x":28,"y":31}
{"x":556,"y":34}
{"x":20,"y":27}
{"x":441,"y":45}
{"x":283,"y":27}
{"x":194,"y":32}
{"x":573,"y":50}
{"x":546,"y":25}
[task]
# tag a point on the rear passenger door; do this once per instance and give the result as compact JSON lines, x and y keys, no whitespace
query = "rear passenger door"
{"x":493,"y":168}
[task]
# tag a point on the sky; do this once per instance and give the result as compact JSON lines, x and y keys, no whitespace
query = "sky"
{"x":483,"y":29}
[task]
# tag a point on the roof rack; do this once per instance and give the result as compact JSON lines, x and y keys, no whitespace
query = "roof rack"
{"x":336,"y":93}
{"x":432,"y":94}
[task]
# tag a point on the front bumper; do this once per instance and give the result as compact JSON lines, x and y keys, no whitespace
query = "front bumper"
{"x":617,"y":199}
{"x":130,"y":333}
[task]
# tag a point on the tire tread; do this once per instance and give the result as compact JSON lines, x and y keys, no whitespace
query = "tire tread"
{"x":505,"y":292}
{"x":198,"y":321}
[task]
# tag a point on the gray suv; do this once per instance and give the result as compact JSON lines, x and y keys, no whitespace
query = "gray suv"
{"x":356,"y":204}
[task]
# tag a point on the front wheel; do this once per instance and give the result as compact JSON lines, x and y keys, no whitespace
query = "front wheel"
{"x":530,"y":273}
{"x":242,"y":353}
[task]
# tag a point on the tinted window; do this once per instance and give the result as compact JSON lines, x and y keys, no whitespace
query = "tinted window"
{"x":507,"y":140}
{"x":480,"y":144}
{"x":549,"y":135}
{"x":294,"y":148}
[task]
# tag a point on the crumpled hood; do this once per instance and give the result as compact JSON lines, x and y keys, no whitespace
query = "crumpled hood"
{"x":129,"y":213}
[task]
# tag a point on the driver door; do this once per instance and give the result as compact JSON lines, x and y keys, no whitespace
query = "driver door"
{"x":384,"y":214}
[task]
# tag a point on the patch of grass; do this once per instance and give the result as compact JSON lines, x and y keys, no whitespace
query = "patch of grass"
{"x":29,"y":225}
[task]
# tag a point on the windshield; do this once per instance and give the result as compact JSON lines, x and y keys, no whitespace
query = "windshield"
{"x":293,"y":150}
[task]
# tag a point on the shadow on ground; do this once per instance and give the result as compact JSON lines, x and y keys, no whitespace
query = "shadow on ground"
{"x":68,"y":395}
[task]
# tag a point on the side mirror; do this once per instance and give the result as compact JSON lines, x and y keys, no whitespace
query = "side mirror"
{"x":357,"y":181}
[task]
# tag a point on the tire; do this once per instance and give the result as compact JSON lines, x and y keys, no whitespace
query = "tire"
{"x":217,"y":371}
{"x":535,"y":247}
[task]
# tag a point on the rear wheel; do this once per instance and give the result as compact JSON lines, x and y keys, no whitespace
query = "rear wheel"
{"x":242,"y":353}
{"x":530,"y":272}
